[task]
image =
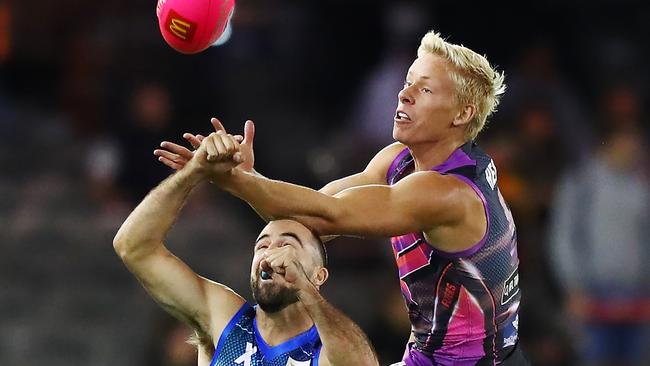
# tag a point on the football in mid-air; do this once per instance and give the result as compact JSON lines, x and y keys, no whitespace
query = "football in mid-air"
{"x":191,"y":26}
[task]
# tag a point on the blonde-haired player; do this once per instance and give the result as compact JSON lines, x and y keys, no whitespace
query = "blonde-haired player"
{"x":476,"y":82}
{"x":435,"y":193}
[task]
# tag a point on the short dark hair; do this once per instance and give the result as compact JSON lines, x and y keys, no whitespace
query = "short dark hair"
{"x":321,"y":248}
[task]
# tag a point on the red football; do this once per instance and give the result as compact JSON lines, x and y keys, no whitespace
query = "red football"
{"x":191,"y":26}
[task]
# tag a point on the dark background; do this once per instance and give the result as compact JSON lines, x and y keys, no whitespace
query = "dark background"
{"x":88,"y":90}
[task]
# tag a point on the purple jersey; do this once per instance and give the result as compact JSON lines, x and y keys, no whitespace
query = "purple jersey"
{"x":463,"y":306}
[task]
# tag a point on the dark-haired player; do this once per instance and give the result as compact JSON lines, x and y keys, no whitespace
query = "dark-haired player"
{"x":291,"y":323}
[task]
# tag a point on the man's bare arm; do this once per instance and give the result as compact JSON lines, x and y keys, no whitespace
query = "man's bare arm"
{"x":374,"y":173}
{"x":344,"y":343}
{"x":204,"y":305}
{"x":419,"y":202}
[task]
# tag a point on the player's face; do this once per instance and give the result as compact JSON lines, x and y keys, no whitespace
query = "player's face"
{"x":427,"y":105}
{"x":273,"y":294}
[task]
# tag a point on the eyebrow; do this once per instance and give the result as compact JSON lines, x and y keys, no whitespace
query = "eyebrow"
{"x":290,"y":234}
{"x":420,"y":77}
{"x":261,"y":237}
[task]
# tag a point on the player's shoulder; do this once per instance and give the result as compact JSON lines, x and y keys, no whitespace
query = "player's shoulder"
{"x":391,"y":151}
{"x":225,"y":307}
{"x":480,"y":156}
{"x":428,"y":180}
{"x":381,"y":162}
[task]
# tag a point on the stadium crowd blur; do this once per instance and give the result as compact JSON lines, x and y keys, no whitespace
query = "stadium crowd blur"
{"x":88,"y":90}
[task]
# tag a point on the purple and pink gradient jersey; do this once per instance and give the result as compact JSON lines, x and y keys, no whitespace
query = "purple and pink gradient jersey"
{"x":463,"y":306}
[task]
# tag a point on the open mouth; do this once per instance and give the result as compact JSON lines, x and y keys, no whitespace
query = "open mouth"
{"x":402,"y":117}
{"x":266,"y":276}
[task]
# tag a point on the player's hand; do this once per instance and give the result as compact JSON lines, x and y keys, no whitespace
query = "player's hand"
{"x":283,"y":261}
{"x":176,"y":156}
{"x":218,"y":154}
{"x":246,"y":147}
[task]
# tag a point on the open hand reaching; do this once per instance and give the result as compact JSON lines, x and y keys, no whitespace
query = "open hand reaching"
{"x":176,"y":156}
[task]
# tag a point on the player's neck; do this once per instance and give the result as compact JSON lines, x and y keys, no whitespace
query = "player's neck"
{"x":432,"y":153}
{"x":279,"y":327}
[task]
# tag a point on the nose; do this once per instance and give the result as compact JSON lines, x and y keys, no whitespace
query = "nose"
{"x":405,"y":96}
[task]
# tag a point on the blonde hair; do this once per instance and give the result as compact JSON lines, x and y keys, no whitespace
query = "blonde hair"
{"x":477,"y":82}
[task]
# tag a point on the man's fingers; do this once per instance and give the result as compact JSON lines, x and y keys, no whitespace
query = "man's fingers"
{"x":280,"y":258}
{"x":249,"y":133}
{"x":170,"y":163}
{"x":219,"y":143}
{"x":169,"y":155}
{"x":236,"y":154}
{"x":211,"y":148}
{"x":177,"y":149}
{"x":278,"y":263}
{"x":239,"y":138}
{"x":272,"y":262}
{"x":264,"y":264}
{"x":221,"y":146}
{"x":229,"y":143}
{"x":194,"y":140}
{"x":217,"y":125}
{"x":275,"y":267}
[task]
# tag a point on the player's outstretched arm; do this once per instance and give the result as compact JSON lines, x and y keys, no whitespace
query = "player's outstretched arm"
{"x":204,"y":305}
{"x":419,"y":202}
{"x":176,"y":157}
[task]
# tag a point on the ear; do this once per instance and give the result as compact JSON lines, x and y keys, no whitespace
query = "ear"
{"x":465,"y":114}
{"x":321,"y":275}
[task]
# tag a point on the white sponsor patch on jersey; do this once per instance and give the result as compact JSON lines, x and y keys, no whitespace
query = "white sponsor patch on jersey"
{"x":292,"y":362}
{"x":510,"y":287}
{"x":510,"y":341}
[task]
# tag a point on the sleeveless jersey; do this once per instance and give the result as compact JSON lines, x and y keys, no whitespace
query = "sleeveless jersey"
{"x":241,"y":344}
{"x":463,"y":306}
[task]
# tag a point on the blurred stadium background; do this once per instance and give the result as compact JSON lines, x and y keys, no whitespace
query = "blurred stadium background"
{"x":88,"y":89}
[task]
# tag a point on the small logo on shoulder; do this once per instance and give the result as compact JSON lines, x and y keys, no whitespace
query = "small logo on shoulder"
{"x":510,"y":287}
{"x":491,"y":174}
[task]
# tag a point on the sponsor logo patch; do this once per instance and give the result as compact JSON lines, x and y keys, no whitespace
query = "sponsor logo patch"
{"x":182,"y":28}
{"x":510,"y":287}
{"x":510,"y":341}
{"x":448,"y":295}
{"x":292,"y":362}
